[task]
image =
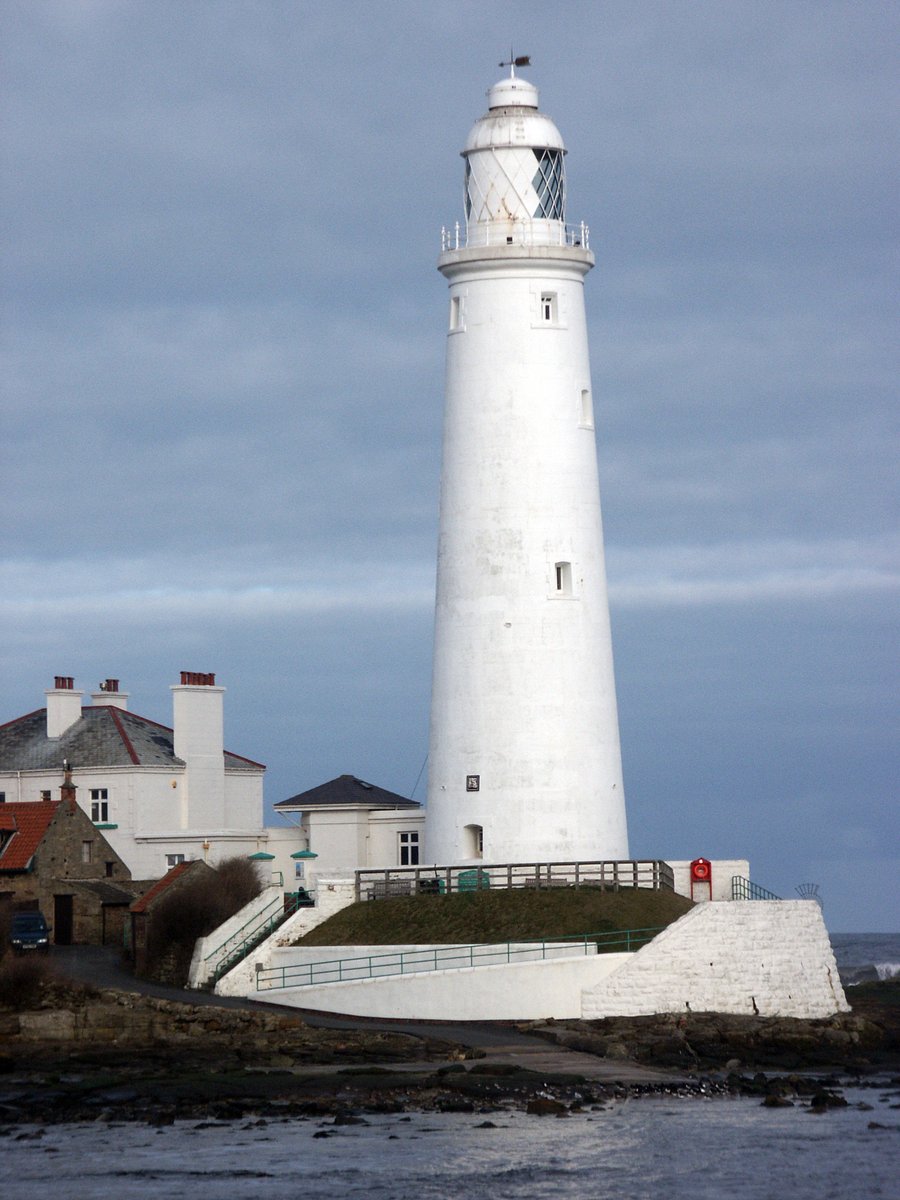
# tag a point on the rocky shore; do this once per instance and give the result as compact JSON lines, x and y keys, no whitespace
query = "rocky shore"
{"x":859,"y":1042}
{"x":109,"y":1056}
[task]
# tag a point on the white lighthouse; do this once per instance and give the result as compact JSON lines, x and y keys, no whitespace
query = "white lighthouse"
{"x":524,"y":760}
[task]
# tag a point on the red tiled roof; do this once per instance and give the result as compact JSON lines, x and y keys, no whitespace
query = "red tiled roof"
{"x":30,"y":820}
{"x":160,"y":886}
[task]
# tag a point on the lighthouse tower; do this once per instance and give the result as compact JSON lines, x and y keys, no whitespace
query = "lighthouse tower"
{"x":524,"y":759}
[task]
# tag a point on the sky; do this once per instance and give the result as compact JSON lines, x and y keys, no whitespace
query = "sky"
{"x":223,"y":354}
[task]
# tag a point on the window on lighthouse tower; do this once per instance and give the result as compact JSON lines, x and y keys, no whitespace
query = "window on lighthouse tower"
{"x":549,"y":183}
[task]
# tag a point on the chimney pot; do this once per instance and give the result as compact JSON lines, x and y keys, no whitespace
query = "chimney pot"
{"x":64,"y":683}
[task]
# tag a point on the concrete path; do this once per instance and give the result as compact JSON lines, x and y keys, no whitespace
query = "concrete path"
{"x":102,"y":966}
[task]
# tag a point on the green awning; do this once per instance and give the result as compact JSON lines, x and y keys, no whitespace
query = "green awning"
{"x":260,"y":856}
{"x":304,"y":854}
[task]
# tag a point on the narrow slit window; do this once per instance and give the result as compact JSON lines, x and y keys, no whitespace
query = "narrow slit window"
{"x":455,"y":313}
{"x":475,"y":841}
{"x":563,"y":578}
{"x":548,"y":307}
{"x":587,"y":409}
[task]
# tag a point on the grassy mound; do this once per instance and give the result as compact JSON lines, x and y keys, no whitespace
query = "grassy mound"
{"x":500,"y":916}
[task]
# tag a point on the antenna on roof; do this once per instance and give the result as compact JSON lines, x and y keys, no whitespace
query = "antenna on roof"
{"x":524,"y":60}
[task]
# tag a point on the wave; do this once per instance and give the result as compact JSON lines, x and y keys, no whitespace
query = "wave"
{"x":878,"y":972}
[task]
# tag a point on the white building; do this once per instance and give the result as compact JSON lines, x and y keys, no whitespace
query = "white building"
{"x":348,"y":824}
{"x":524,"y":761}
{"x":164,"y":795}
{"x":160,"y":795}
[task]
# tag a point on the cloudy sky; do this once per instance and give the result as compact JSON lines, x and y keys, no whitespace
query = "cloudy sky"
{"x":223,"y":347}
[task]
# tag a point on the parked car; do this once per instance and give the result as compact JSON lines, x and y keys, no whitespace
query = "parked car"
{"x":29,"y":931}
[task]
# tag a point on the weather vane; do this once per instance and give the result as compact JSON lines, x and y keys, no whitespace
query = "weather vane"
{"x":524,"y":60}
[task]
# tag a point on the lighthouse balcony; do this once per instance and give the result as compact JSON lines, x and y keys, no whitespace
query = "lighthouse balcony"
{"x":514,"y":233}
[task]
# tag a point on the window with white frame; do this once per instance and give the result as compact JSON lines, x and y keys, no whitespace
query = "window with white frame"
{"x":172,"y":860}
{"x":409,"y":848}
{"x":87,"y":852}
{"x":475,"y":841}
{"x":100,"y":805}
{"x":563,"y":575}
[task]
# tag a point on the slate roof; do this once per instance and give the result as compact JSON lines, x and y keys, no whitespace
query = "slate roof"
{"x":344,"y":790}
{"x":29,"y":821}
{"x":161,"y":885}
{"x":104,"y":736}
{"x":106,"y":893}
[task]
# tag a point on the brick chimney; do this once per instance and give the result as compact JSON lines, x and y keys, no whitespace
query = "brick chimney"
{"x":198,"y":721}
{"x":67,"y":788}
{"x":110,"y":695}
{"x":63,"y":706}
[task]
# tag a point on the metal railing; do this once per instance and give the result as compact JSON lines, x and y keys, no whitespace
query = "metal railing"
{"x":608,"y":875}
{"x":536,"y":232}
{"x":236,"y":947}
{"x":745,"y":889}
{"x":449,"y":958}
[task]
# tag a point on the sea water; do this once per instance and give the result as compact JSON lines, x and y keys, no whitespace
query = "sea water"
{"x":647,"y":1147}
{"x":865,"y":957}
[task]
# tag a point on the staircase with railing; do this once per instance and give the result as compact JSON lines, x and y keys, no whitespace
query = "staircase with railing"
{"x":254,"y":931}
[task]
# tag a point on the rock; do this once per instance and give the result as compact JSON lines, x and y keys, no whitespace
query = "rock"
{"x":545,"y":1106}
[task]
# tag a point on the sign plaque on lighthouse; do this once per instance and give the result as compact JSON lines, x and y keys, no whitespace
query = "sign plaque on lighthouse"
{"x":524,"y":758}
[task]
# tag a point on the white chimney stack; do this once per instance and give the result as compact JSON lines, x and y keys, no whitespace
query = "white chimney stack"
{"x":63,"y":706}
{"x":198,"y":720}
{"x":109,"y":695}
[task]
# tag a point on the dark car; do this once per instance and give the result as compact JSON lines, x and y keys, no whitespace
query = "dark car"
{"x":29,"y":931}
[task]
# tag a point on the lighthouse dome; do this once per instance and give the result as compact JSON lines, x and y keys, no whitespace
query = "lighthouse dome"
{"x":515,"y":177}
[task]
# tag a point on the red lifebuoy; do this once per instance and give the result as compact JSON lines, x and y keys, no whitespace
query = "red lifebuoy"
{"x":701,"y":870}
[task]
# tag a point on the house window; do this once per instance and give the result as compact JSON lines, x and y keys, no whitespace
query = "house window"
{"x":110,"y":870}
{"x":100,"y":805}
{"x":2,"y":797}
{"x":87,"y":851}
{"x":563,"y":578}
{"x":46,"y":796}
{"x":548,"y":307}
{"x":298,"y":870}
{"x":172,"y":860}
{"x":409,"y":849}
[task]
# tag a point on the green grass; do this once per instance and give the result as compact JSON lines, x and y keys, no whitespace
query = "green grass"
{"x":498,"y":916}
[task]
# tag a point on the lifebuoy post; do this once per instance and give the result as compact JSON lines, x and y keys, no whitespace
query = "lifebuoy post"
{"x":701,"y":879}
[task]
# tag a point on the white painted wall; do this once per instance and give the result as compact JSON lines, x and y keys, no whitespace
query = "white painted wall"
{"x":770,"y":957}
{"x":524,"y":992}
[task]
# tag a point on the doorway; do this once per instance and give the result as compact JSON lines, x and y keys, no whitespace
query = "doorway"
{"x":62,"y":920}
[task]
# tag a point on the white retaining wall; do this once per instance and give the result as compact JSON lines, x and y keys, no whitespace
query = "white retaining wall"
{"x":525,"y":992}
{"x":772,"y":957}
{"x":333,"y":964}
